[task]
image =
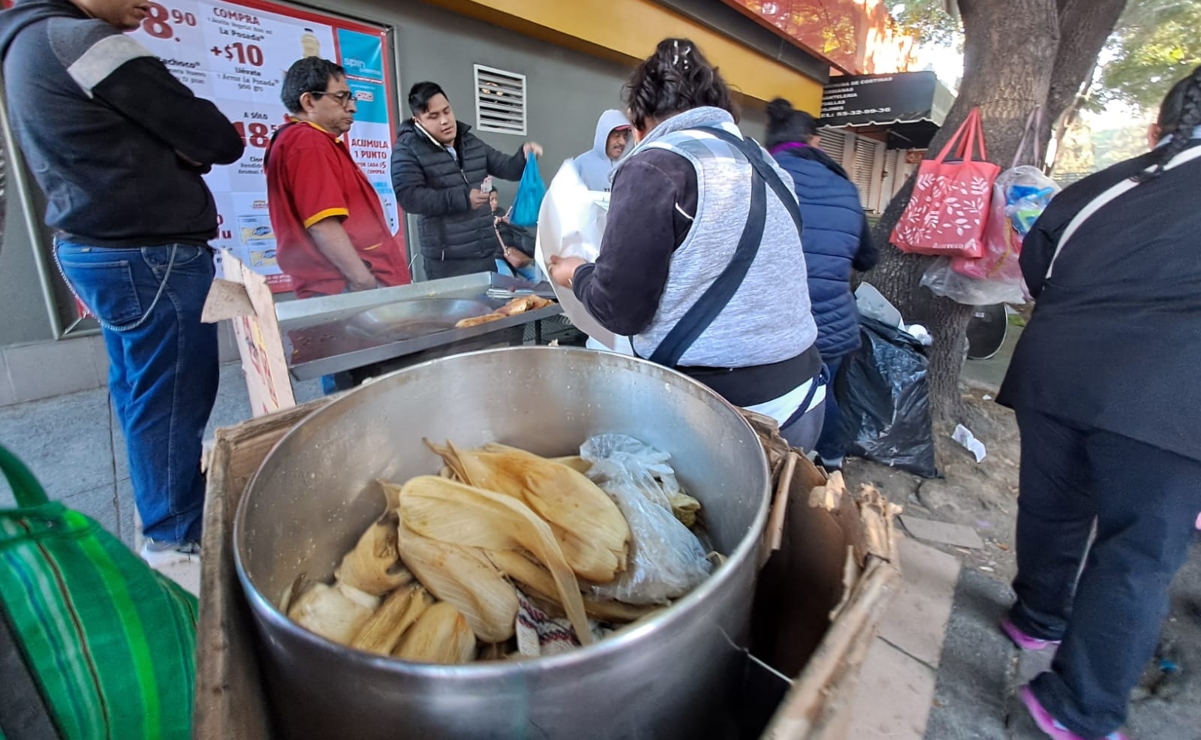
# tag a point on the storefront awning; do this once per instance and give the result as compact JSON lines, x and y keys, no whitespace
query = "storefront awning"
{"x":911,"y":106}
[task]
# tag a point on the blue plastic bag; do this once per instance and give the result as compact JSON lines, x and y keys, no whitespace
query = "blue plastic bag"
{"x":530,"y":192}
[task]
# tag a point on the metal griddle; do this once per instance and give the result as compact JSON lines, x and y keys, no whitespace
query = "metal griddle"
{"x":333,"y":334}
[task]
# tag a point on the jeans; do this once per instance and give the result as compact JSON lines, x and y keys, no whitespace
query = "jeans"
{"x":163,"y":369}
{"x":1143,"y":501}
{"x":831,"y":447}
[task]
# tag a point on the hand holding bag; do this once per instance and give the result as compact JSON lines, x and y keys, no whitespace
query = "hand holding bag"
{"x":530,"y":192}
{"x":949,"y":208}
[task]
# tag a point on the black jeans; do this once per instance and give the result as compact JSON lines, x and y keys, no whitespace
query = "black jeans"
{"x":1144,"y":501}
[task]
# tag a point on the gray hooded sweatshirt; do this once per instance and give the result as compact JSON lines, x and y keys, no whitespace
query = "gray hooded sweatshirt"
{"x":595,"y":167}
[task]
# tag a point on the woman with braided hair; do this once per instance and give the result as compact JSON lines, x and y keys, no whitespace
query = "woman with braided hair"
{"x":1104,"y":384}
{"x":701,"y":262}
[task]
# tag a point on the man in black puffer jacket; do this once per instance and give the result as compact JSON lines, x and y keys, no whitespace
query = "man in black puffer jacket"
{"x":438,"y":168}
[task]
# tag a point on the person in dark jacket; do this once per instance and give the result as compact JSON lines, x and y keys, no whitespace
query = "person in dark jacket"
{"x":119,"y":145}
{"x":836,"y":240}
{"x":517,"y":243}
{"x":438,"y":168}
{"x":665,"y":248}
{"x":1104,"y":384}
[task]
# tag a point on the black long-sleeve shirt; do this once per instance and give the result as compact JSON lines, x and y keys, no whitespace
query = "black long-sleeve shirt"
{"x":649,"y":217}
{"x":114,"y":139}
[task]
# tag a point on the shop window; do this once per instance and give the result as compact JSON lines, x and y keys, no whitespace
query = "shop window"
{"x":500,"y":101}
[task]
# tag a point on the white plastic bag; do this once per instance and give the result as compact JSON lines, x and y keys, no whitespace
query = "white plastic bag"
{"x":666,"y":558}
{"x":571,"y":224}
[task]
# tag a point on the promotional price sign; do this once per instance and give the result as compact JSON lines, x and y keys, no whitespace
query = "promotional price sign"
{"x":235,"y":53}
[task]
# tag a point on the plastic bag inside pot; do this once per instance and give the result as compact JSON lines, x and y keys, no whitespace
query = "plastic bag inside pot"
{"x":666,"y":559}
{"x":884,"y":396}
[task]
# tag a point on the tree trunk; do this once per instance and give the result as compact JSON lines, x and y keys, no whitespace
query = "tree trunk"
{"x":1084,"y":26}
{"x":1009,"y":52}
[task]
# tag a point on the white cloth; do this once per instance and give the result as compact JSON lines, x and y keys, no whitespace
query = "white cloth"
{"x":781,"y":409}
{"x":595,"y":167}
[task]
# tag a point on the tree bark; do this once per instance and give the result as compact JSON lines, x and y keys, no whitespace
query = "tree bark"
{"x":1085,"y":26}
{"x":1009,"y":53}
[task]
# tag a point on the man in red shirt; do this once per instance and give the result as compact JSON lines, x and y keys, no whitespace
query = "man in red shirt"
{"x":330,"y":231}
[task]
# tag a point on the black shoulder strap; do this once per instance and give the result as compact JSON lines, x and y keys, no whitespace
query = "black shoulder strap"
{"x":715,"y":299}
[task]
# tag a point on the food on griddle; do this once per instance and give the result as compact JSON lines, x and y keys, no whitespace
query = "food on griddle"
{"x":521,"y":304}
{"x":477,"y":320}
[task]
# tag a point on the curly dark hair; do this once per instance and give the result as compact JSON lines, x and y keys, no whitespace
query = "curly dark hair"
{"x":786,"y":124}
{"x":1179,"y":115}
{"x":676,"y":78}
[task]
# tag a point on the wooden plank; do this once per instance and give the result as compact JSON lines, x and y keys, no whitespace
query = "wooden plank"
{"x":230,"y":699}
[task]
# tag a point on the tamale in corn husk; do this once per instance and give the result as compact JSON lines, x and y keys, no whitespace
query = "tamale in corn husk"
{"x":466,"y":579}
{"x":374,"y":565}
{"x":457,"y":514}
{"x":334,"y":612}
{"x":587,"y":524}
{"x":384,"y":629}
{"x":440,"y":635}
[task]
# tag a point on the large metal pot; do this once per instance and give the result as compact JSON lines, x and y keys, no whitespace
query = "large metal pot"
{"x":666,"y":678}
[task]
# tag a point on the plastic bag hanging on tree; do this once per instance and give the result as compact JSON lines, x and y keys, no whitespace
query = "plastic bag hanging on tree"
{"x":949,"y":208}
{"x":530,"y":192}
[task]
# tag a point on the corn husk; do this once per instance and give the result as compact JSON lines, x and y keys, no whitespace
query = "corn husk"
{"x":537,"y":581}
{"x":383,"y":630}
{"x":458,"y":514}
{"x":440,"y":635}
{"x":334,"y":612}
{"x":466,"y":579}
{"x":588,"y":525}
{"x":374,"y":565}
{"x":575,"y":462}
{"x":685,"y":508}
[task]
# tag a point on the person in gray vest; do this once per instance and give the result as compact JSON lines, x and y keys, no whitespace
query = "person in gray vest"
{"x":701,"y":262}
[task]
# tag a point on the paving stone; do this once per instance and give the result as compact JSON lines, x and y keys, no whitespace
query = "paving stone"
{"x":893,"y":697}
{"x":65,"y":441}
{"x":916,"y":620}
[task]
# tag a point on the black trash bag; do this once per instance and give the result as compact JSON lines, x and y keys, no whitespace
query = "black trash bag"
{"x":884,"y":396}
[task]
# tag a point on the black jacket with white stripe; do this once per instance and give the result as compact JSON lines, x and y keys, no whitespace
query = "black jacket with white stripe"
{"x":1115,"y":339}
{"x":115,"y":141}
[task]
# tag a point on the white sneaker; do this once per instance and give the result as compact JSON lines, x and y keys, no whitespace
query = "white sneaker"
{"x":179,"y":562}
{"x":158,"y":554}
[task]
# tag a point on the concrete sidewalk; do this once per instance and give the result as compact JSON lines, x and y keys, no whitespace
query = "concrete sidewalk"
{"x":74,"y":446}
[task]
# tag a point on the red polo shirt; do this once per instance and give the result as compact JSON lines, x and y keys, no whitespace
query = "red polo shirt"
{"x":311,"y":177}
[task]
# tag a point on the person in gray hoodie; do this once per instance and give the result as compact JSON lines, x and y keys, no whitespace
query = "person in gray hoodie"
{"x":701,"y":261}
{"x":596,"y":165}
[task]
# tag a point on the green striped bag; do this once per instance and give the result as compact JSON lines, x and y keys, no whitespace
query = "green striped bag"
{"x":109,"y":643}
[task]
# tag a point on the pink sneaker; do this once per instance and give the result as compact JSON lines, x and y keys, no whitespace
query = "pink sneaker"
{"x":1049,"y":724}
{"x":1024,"y":641}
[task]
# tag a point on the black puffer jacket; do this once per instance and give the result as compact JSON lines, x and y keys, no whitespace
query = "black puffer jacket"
{"x":431,"y":184}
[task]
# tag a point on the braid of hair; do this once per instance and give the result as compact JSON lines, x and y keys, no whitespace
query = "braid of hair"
{"x":1182,"y":135}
